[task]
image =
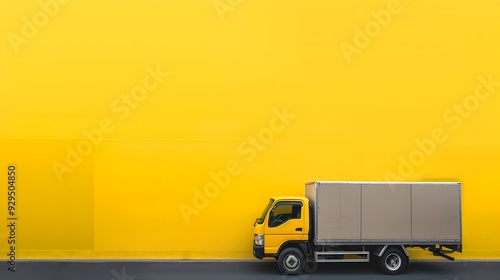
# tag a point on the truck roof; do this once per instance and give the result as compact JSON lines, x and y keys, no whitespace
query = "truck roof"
{"x":382,"y":182}
{"x":281,"y":197}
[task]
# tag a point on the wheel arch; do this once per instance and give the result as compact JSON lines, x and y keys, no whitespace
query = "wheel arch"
{"x":379,"y":251}
{"x":303,"y":246}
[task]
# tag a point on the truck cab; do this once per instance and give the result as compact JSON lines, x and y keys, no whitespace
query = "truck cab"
{"x":283,"y":224}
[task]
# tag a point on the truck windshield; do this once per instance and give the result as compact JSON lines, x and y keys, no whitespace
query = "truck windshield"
{"x":264,"y":213}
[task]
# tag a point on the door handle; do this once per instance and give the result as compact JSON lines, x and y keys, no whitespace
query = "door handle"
{"x":298,"y":229}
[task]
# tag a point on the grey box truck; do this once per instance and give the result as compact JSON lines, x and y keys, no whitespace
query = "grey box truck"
{"x":360,"y":222}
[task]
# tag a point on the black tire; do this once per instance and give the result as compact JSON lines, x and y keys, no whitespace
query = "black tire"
{"x":393,"y":261}
{"x":291,"y":261}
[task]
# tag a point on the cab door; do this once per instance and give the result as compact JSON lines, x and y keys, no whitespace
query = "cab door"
{"x":284,"y":223}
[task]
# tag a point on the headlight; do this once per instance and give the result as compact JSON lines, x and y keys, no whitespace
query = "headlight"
{"x":259,"y":239}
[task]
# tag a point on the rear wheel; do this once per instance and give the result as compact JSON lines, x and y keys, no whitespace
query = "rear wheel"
{"x":291,"y":261}
{"x":393,"y":261}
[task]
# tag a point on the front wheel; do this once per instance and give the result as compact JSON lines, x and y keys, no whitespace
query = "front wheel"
{"x":291,"y":261}
{"x":393,"y":261}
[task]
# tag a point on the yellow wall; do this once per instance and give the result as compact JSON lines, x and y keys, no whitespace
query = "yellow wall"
{"x":263,"y":95}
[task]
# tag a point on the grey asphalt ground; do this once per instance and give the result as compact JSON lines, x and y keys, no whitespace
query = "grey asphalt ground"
{"x":241,"y":270}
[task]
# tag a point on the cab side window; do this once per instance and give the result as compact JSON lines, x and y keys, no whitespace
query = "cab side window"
{"x":284,"y":211}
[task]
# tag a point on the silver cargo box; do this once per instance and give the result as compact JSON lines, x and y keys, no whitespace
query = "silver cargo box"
{"x":422,"y":213}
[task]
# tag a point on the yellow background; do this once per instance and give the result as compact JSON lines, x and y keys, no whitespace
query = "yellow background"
{"x":227,"y":77}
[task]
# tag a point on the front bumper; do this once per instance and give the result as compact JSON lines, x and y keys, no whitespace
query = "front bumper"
{"x":258,"y":251}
